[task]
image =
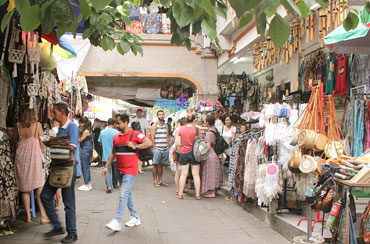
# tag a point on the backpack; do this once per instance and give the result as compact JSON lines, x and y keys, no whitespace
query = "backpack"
{"x":221,"y":145}
{"x":200,"y":148}
{"x":144,"y":154}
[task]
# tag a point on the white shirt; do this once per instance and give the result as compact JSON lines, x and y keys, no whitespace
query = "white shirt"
{"x":218,"y":125}
{"x":227,"y":135}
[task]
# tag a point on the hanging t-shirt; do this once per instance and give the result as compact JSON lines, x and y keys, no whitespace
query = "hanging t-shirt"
{"x":341,"y":84}
{"x":329,"y":83}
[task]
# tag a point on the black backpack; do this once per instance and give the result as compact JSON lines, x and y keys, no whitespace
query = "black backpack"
{"x":144,"y":154}
{"x":221,"y":145}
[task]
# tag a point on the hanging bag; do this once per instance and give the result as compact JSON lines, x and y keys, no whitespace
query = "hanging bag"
{"x":61,"y":176}
{"x":16,"y":56}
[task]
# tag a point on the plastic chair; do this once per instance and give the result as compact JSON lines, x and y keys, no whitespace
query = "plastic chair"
{"x":32,"y":204}
{"x":314,"y":221}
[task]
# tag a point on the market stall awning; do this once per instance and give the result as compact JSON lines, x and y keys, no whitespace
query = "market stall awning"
{"x":353,"y":41}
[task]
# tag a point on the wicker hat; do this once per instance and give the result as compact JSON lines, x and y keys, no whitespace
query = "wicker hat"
{"x":308,"y":164}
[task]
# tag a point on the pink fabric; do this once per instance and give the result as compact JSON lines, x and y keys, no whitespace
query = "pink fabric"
{"x":211,"y":167}
{"x":187,"y":134}
{"x":28,"y":163}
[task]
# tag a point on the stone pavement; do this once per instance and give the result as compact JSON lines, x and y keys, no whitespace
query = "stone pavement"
{"x":165,"y":219}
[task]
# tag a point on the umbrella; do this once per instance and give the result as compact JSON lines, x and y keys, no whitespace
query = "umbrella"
{"x":352,"y":41}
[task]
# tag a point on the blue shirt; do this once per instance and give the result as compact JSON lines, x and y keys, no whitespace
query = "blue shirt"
{"x":106,"y":139}
{"x":70,"y":128}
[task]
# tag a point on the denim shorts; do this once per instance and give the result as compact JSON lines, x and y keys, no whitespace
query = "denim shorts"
{"x":161,"y":156}
{"x":187,"y":158}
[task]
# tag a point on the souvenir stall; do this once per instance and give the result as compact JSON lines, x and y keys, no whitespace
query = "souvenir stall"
{"x":28,"y":81}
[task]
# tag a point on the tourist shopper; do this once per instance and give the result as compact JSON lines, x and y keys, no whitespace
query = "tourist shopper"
{"x":176,"y":153}
{"x":86,"y":147}
{"x":184,"y":141}
{"x":97,"y":128}
{"x":159,"y":132}
{"x":144,"y":128}
{"x":169,"y":126}
{"x":228,"y":132}
{"x":67,"y":127}
{"x":106,"y":139}
{"x":125,"y":146}
{"x":218,"y":122}
{"x":211,"y":167}
{"x":28,"y":161}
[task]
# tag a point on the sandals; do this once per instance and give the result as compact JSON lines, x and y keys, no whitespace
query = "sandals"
{"x":163,"y":184}
{"x":197,"y":197}
{"x":181,"y":196}
{"x":156,"y":184}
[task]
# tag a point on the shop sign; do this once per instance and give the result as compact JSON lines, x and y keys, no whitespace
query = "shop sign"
{"x":90,"y":115}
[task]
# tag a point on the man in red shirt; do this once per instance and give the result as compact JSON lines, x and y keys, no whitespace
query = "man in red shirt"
{"x":125,"y":146}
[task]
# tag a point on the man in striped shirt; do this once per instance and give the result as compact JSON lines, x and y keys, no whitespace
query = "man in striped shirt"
{"x":159,"y":133}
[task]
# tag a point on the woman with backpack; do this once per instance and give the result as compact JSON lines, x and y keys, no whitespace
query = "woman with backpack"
{"x":211,"y":167}
{"x":184,"y":142}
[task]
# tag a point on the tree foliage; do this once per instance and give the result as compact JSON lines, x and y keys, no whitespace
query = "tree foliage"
{"x":104,"y":18}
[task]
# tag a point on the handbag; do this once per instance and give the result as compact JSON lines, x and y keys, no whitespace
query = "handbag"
{"x":61,"y":176}
{"x":144,"y":154}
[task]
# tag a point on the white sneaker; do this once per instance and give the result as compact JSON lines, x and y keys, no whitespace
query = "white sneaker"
{"x":133,"y":222}
{"x":84,"y":188}
{"x":90,"y":186}
{"x":94,"y":164}
{"x":114,"y":225}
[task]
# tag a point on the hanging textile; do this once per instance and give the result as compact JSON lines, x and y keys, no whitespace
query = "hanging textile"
{"x":233,"y":164}
{"x":367,"y":126}
{"x":8,"y":189}
{"x":330,"y":77}
{"x":358,"y":132}
{"x":341,"y":87}
{"x":79,"y":82}
{"x":152,"y":23}
{"x":239,"y":173}
{"x":358,"y":71}
{"x":250,"y":170}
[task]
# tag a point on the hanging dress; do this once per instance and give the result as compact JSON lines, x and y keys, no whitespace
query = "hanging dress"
{"x":28,"y":163}
{"x":357,"y":146}
{"x":239,"y":173}
{"x":341,"y":81}
{"x":250,"y":170}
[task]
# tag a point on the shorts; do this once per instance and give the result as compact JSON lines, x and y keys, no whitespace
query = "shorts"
{"x":161,"y":156}
{"x":187,"y":158}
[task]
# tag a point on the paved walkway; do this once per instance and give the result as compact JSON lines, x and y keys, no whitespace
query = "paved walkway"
{"x":165,"y":219}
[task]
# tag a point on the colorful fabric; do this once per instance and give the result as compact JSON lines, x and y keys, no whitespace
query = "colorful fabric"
{"x":330,"y":79}
{"x":166,"y":25}
{"x":135,"y":28}
{"x":239,"y":173}
{"x":211,"y":167}
{"x":341,"y":81}
{"x":152,"y":23}
{"x":232,"y":165}
{"x":250,"y":173}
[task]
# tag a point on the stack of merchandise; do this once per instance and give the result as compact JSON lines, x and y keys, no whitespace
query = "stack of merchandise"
{"x":59,"y":148}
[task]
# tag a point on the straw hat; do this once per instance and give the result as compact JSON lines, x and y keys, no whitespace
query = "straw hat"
{"x":320,"y":142}
{"x":307,"y":138}
{"x":308,"y":164}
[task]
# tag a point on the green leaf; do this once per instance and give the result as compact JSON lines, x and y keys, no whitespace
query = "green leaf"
{"x":367,"y":7}
{"x":107,"y":17}
{"x":29,"y":18}
{"x":6,"y":20}
{"x":245,"y":19}
{"x":209,"y":29}
{"x":140,"y":49}
{"x":208,"y":7}
{"x":351,"y":21}
{"x":2,"y":2}
{"x":187,"y":43}
{"x":279,"y":30}
{"x":107,"y":43}
{"x":291,"y":6}
{"x":165,"y":3}
{"x":85,"y":8}
{"x":47,"y":22}
{"x":126,"y":19}
{"x":271,"y":7}
{"x":197,"y":27}
{"x":87,"y":33}
{"x":323,"y":3}
{"x":221,"y":12}
{"x":241,"y":6}
{"x":182,"y":13}
{"x":21,"y":5}
{"x":261,"y":22}
{"x":100,"y":4}
{"x":124,"y":45}
{"x":175,"y":39}
{"x":304,"y":9}
{"x":134,"y":49}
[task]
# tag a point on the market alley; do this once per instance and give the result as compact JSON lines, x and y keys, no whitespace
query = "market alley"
{"x":165,"y":219}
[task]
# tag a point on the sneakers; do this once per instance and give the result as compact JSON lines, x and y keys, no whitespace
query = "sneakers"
{"x":69,"y":238}
{"x":85,"y":187}
{"x":109,"y":190}
{"x":94,"y":164}
{"x":114,"y":225}
{"x":134,"y":221}
{"x":54,"y":232}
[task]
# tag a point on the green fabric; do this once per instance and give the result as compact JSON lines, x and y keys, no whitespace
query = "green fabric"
{"x":340,"y":34}
{"x":329,"y":83}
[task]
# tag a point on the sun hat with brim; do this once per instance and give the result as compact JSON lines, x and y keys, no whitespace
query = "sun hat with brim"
{"x":308,"y":164}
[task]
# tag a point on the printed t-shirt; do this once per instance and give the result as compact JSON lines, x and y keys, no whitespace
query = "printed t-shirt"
{"x":106,"y":139}
{"x":341,"y":82}
{"x":127,"y":158}
{"x":187,"y":135}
